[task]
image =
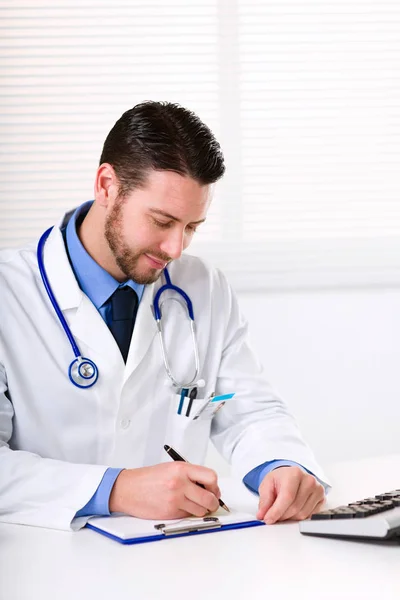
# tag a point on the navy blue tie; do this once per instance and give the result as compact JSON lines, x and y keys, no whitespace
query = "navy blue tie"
{"x":124,"y":305}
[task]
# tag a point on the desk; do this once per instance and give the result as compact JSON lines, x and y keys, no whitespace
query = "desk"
{"x":272,"y":562}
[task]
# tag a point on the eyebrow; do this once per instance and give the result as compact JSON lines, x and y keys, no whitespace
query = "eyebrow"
{"x":168,"y":216}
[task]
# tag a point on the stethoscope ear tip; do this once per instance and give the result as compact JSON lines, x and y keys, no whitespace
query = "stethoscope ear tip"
{"x":200,"y":383}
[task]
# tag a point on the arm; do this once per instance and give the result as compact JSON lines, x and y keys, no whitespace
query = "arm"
{"x":254,"y":479}
{"x":99,"y":503}
{"x":256,"y":427}
{"x":51,"y":493}
{"x":40,"y":491}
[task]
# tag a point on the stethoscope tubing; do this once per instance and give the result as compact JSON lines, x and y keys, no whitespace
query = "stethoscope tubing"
{"x":50,"y":293}
{"x":79,"y":362}
{"x":76,"y":368}
{"x":158,"y":317}
{"x":178,"y":290}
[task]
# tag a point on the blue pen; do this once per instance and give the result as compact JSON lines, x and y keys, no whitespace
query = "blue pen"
{"x":184,"y":393}
{"x":223,"y":397}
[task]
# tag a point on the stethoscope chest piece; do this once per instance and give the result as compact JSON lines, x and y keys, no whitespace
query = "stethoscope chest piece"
{"x":83,"y":372}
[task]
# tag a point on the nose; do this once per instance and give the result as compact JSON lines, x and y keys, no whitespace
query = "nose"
{"x":172,"y":244}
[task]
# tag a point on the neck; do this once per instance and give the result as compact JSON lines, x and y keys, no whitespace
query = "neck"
{"x":91,"y":235}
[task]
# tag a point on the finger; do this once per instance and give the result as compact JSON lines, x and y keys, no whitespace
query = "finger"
{"x":309,"y":492}
{"x":312,"y":505}
{"x":319,"y":507}
{"x":202,"y":497}
{"x":267,"y":497}
{"x":193,"y":509}
{"x":286,"y":495}
{"x":179,"y":514}
{"x":205,"y":476}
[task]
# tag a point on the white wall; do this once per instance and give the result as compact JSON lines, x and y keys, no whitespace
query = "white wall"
{"x":334,"y":357}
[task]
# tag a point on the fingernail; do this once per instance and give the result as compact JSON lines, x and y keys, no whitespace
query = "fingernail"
{"x":268,"y":519}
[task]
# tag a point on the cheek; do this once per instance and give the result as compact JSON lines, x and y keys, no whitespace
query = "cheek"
{"x":137,"y":237}
{"x":186,"y":240}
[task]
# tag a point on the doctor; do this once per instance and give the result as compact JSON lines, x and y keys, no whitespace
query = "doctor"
{"x":71,"y":447}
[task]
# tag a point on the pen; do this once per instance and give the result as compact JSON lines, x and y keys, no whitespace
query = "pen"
{"x":192,"y":396}
{"x":175,"y":456}
{"x":218,"y":408}
{"x":213,"y":398}
{"x":203,"y":408}
{"x":184,"y":392}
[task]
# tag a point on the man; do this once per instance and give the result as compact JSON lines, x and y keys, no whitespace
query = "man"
{"x":67,"y":452}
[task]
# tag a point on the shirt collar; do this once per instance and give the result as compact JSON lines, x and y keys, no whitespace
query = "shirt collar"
{"x":93,"y":280}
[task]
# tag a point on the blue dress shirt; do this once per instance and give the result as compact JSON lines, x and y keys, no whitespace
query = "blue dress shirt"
{"x":93,"y":280}
{"x":99,"y":286}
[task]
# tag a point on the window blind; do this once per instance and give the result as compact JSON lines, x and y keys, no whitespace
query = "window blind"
{"x":303,"y":96}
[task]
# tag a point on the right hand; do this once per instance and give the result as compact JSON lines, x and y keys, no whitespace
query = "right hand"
{"x":165,"y":491}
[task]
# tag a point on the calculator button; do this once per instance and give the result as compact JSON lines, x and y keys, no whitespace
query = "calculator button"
{"x":362,"y":511}
{"x":326,"y":514}
{"x":343,"y":512}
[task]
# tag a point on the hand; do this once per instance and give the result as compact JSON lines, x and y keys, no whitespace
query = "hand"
{"x":289,"y":493}
{"x":165,"y":491}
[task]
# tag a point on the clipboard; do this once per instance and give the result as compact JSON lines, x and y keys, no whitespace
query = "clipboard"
{"x":131,"y":530}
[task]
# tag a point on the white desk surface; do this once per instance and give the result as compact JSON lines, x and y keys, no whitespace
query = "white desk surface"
{"x":271,"y":562}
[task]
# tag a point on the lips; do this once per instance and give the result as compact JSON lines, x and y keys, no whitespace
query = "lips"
{"x":158,"y":264}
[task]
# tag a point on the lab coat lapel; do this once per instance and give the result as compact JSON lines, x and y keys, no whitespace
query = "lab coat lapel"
{"x":84,"y":320}
{"x":88,"y":326}
{"x":143,"y":333}
{"x":59,"y":273}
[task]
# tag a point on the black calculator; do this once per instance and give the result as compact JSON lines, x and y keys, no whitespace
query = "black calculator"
{"x":375,"y":518}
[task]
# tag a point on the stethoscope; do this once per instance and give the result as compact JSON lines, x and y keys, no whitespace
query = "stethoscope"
{"x":82,"y":371}
{"x":157,"y":315}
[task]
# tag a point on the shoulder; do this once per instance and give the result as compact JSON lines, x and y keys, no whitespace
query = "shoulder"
{"x":204,"y":283}
{"x":191,"y":269}
{"x":18,"y":261}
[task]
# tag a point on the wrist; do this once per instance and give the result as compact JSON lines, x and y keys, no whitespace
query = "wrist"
{"x":117,"y":497}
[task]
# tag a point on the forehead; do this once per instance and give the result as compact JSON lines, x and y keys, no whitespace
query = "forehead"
{"x":166,"y":190}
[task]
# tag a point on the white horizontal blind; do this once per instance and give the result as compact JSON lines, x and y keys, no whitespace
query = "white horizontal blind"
{"x":320,"y":133}
{"x":68,"y":70}
{"x":304,"y":97}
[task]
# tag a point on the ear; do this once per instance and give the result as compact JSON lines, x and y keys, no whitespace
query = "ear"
{"x":105,"y":185}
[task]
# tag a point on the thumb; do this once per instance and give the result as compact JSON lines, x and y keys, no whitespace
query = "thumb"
{"x":267,"y":496}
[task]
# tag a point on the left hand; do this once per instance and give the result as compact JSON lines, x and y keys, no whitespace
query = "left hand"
{"x":289,"y":493}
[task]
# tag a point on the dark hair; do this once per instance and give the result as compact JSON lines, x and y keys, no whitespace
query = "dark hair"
{"x":165,"y":137}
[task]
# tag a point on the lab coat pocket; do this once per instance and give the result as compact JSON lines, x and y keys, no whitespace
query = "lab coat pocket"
{"x":188,"y":436}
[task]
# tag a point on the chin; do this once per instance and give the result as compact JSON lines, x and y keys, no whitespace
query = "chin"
{"x":147,"y":278}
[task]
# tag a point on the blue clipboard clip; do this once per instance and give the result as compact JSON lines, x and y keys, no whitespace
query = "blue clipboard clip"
{"x":188,"y":526}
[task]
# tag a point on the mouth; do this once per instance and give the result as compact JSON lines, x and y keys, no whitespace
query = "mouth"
{"x":155,"y":262}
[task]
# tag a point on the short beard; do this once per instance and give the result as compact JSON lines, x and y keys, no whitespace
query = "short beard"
{"x":124,"y":258}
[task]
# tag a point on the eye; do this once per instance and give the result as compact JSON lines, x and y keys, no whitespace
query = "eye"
{"x":162,"y":224}
{"x":192,"y":228}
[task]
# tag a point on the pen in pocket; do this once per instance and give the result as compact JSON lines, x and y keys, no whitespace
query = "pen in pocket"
{"x":184,"y":393}
{"x":211,"y":400}
{"x":218,"y":408}
{"x":192,"y":396}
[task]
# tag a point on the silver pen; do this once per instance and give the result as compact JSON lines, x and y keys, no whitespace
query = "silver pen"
{"x":203,"y":408}
{"x":218,"y":408}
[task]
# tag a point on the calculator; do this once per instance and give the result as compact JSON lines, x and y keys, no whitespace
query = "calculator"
{"x":376,"y":518}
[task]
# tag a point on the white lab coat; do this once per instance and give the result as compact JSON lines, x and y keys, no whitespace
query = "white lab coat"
{"x":57,"y":440}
